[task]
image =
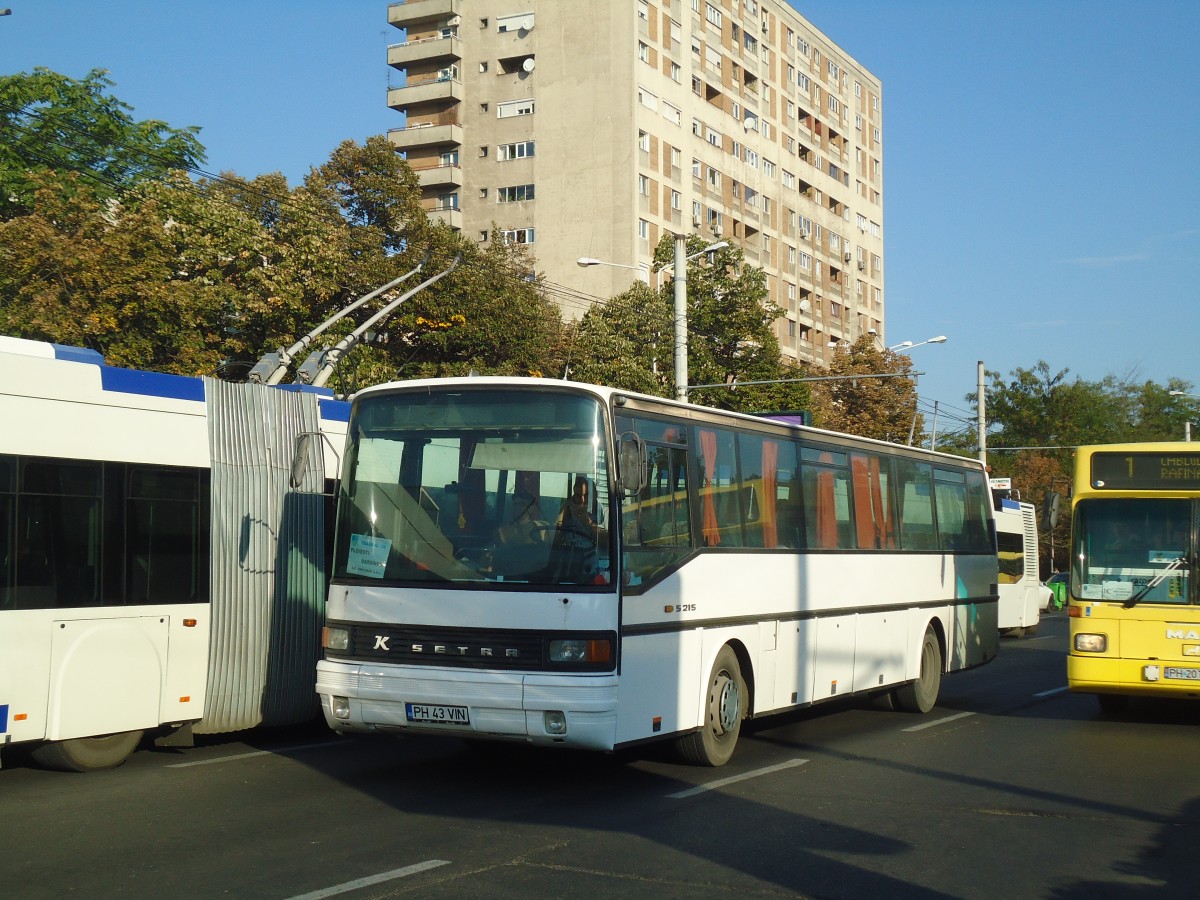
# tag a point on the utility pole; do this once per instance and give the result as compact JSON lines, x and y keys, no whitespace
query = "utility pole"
{"x":979,"y":403}
{"x":680,"y":284}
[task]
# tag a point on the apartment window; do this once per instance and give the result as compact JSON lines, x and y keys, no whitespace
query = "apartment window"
{"x":483,"y":152}
{"x":804,"y":261}
{"x":676,"y":157}
{"x":517,"y":235}
{"x":857,"y":89}
{"x":875,"y":134}
{"x":647,"y":99}
{"x":643,"y":52}
{"x":511,"y":108}
{"x":483,"y":66}
{"x":644,"y":141}
{"x":676,"y":72}
{"x":802,"y":46}
{"x":697,"y":128}
{"x":514,"y":194}
{"x":671,"y":113}
{"x":643,"y":185}
{"x":697,"y":86}
{"x":483,"y":192}
{"x":768,"y":168}
{"x":713,"y":137}
{"x":696,"y":169}
{"x":803,"y":82}
{"x":519,"y":150}
{"x":751,"y":158}
{"x":676,"y":32}
{"x":521,"y":22}
{"x":643,"y":11}
{"x":713,"y":15}
{"x":789,"y":180}
{"x":714,"y":178}
{"x":676,"y":200}
{"x":835,"y":105}
{"x":643,"y":229}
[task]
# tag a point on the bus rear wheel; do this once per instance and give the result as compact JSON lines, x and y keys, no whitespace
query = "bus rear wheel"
{"x":920,"y":696}
{"x":88,"y":754}
{"x":725,"y":707}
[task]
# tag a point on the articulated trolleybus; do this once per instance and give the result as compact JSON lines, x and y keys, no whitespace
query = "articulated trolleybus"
{"x":156,"y":573}
{"x":1134,"y":605}
{"x":565,"y":564}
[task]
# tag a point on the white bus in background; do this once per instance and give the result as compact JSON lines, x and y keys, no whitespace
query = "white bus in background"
{"x":156,"y":574}
{"x":565,"y":564}
{"x":1022,"y":594}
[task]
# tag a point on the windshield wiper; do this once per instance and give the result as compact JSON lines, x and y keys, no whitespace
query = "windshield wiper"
{"x":1154,"y":582}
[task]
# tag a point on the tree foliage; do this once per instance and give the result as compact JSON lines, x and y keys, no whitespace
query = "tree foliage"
{"x":50,"y":121}
{"x":877,"y":407}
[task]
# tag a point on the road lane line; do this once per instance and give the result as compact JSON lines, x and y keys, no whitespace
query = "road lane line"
{"x":374,"y":879}
{"x":924,"y":725}
{"x":1057,"y":690}
{"x":281,"y":752}
{"x":721,"y":782}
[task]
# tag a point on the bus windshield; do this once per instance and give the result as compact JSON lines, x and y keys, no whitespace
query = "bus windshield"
{"x":1123,"y":545}
{"x":475,"y":486}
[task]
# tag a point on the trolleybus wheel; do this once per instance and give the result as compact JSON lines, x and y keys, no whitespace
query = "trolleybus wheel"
{"x":725,"y":707}
{"x":88,"y":754}
{"x":920,"y":695}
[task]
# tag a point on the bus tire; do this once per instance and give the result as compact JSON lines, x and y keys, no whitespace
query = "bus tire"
{"x":725,"y":707}
{"x":919,"y":696}
{"x":88,"y":754}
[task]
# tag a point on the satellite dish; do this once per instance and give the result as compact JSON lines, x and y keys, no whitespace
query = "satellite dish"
{"x":528,"y":64}
{"x":805,"y":306}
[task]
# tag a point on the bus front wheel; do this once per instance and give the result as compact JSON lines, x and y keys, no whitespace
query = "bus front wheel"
{"x":725,"y":707}
{"x":88,"y":754}
{"x":920,"y":696}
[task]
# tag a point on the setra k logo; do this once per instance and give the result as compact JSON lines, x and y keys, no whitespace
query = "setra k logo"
{"x":381,"y":643}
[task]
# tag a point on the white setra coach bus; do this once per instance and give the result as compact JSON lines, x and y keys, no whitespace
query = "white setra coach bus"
{"x":564,"y":564}
{"x":156,"y":574}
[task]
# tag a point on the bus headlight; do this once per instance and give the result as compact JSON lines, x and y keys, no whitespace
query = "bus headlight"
{"x":340,"y":707}
{"x":334,"y":638}
{"x":1090,"y":643}
{"x":555,"y":721}
{"x":580,"y":650}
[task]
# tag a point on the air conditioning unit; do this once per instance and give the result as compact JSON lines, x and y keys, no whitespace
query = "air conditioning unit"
{"x":453,"y":20}
{"x":849,"y":256}
{"x":862,"y":266}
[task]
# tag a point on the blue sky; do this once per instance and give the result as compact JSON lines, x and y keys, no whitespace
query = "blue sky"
{"x":1040,"y":158}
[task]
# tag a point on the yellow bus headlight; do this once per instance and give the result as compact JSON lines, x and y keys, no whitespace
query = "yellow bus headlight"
{"x":1086,"y":642}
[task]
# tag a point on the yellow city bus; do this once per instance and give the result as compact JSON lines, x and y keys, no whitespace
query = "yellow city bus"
{"x":1134,"y":613}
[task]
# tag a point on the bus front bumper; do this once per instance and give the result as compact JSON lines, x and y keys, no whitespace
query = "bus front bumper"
{"x":1150,"y":677}
{"x":565,"y":710}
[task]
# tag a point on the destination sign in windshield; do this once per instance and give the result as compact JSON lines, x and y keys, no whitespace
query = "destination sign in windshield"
{"x":1146,"y":471}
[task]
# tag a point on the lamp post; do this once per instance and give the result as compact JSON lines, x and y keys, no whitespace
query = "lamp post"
{"x":905,"y":346}
{"x":679,"y":279}
{"x":1187,"y":426}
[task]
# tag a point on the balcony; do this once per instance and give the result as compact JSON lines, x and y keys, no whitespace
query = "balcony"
{"x":438,"y":51}
{"x":451,"y":215}
{"x":440,"y":177}
{"x":430,"y":135}
{"x":444,"y":90}
{"x":422,"y":12}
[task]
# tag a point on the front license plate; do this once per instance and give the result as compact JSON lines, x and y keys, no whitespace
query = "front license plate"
{"x":438,"y":715}
{"x":1181,"y":674}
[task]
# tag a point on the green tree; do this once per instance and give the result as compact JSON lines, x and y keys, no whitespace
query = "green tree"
{"x":50,"y":121}
{"x":883,"y":408}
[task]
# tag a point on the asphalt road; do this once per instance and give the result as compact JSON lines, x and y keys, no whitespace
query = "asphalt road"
{"x":1011,"y":787}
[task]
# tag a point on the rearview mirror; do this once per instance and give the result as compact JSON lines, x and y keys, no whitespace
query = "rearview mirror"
{"x":633,"y":467}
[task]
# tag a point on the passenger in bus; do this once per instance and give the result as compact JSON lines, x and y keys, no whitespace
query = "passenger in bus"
{"x":576,"y":534}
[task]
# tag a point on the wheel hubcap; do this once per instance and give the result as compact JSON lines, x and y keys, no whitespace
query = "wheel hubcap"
{"x":728,"y":703}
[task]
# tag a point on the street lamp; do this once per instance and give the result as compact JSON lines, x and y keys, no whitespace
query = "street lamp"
{"x":711,"y":248}
{"x":908,"y":345}
{"x":584,"y":261}
{"x":1187,"y":426}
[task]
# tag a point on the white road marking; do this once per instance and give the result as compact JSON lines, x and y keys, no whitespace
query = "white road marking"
{"x":721,"y":782}
{"x":374,"y":879}
{"x":1057,"y":690}
{"x":281,"y":752}
{"x":924,"y":725}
